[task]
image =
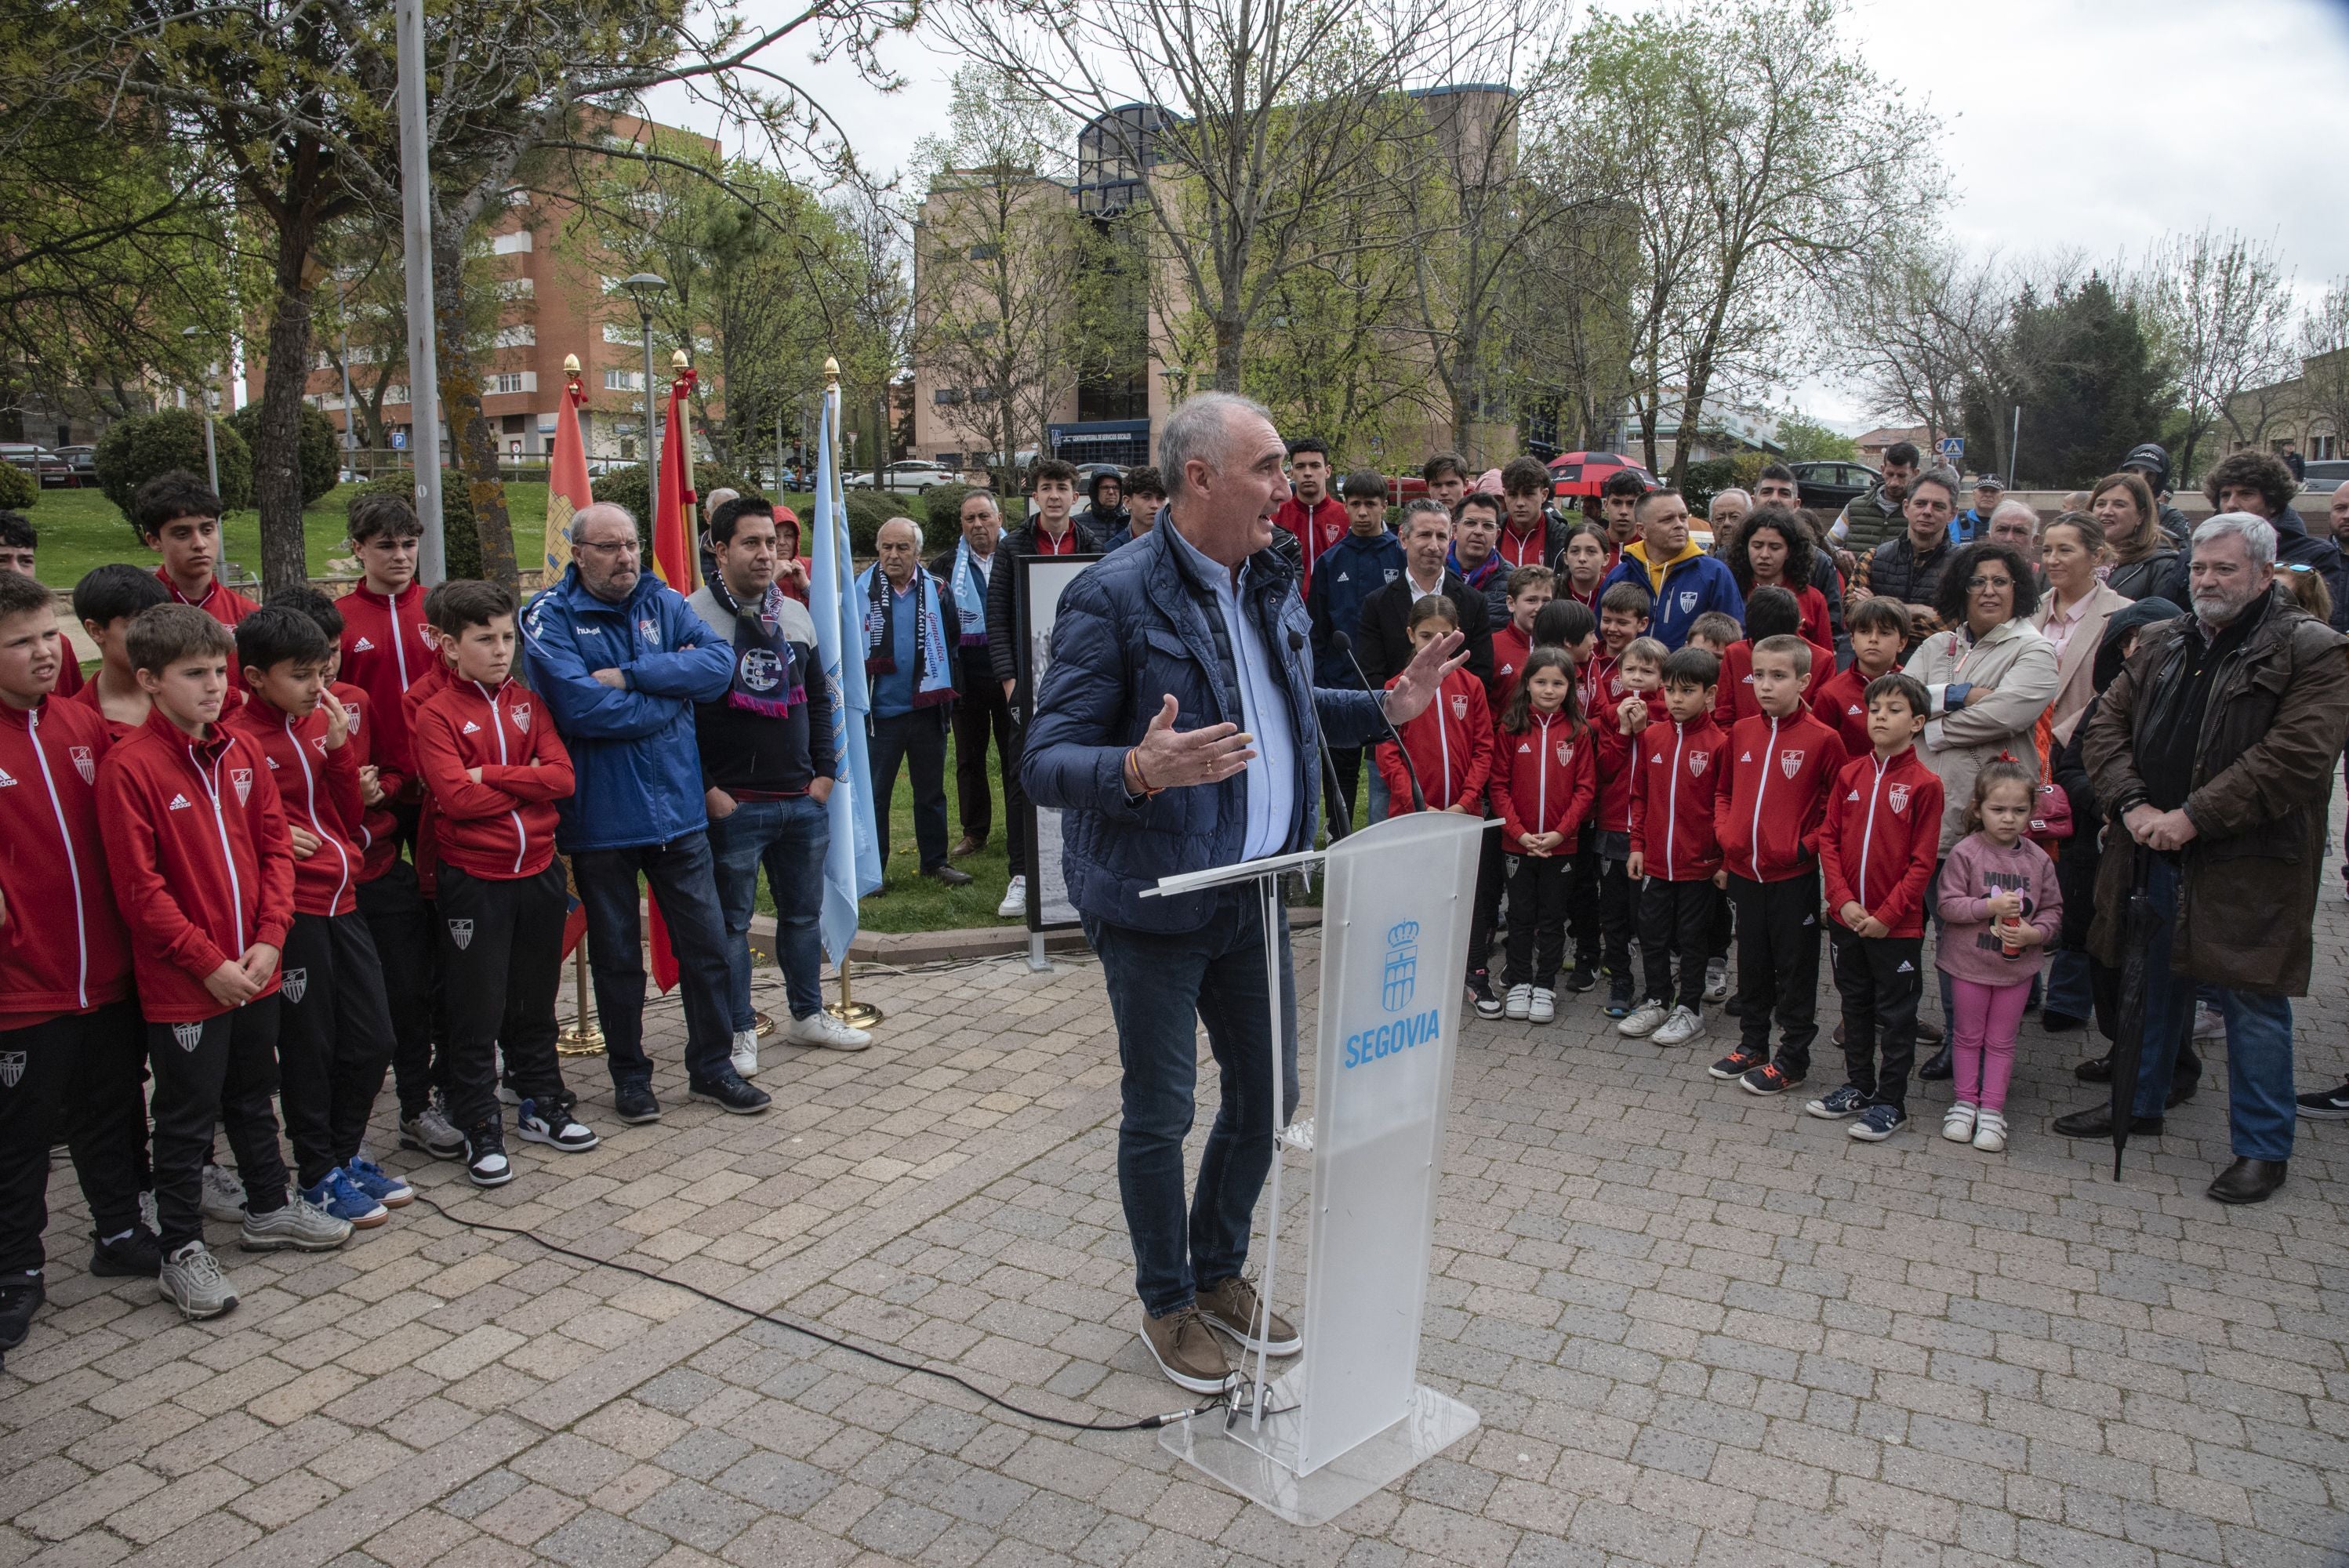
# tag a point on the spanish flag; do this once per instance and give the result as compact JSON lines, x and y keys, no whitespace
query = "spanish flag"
{"x":567,"y":488}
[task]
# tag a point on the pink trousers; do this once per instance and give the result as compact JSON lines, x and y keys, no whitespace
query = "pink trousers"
{"x":1983,"y":1034}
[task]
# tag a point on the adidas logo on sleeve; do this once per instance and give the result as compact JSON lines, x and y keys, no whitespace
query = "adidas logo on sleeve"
{"x":179,"y":804}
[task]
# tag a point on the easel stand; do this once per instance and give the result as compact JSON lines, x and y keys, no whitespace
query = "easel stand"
{"x":1350,"y":1417}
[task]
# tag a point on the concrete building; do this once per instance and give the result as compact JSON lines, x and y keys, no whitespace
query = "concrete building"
{"x":2306,"y":413}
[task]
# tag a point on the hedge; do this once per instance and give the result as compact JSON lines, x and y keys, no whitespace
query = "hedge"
{"x":135,"y":450}
{"x":18,"y":489}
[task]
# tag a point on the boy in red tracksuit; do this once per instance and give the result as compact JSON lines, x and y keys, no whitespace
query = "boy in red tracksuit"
{"x":1450,"y":747}
{"x":1640,"y":672}
{"x":493,"y":769}
{"x":202,"y":869}
{"x":180,"y":519}
{"x":333,"y":1036}
{"x":71,"y":1046}
{"x":1770,"y":612}
{"x":1878,"y":630}
{"x":1877,"y":854}
{"x":1676,"y":780}
{"x":1781,"y":767}
{"x":106,"y":601}
{"x":1529,"y":589}
{"x":1545,"y":777}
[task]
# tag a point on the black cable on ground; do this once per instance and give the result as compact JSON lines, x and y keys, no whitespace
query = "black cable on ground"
{"x":1148,"y":1423}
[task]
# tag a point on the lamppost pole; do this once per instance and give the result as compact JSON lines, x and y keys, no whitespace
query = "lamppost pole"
{"x":211,"y":452}
{"x":645,"y":286}
{"x":423,"y":352}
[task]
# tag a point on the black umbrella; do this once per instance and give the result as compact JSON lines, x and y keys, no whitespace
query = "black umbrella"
{"x":2128,"y":1026}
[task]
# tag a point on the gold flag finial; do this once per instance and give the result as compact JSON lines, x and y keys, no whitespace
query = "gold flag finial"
{"x":571,"y":364}
{"x":677,"y":359}
{"x":830,"y":371}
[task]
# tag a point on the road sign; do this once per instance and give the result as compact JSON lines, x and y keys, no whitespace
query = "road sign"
{"x":1951,"y":446}
{"x":399,"y":440}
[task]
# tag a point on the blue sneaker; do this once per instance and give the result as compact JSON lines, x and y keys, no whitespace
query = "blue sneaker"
{"x":1844,"y":1101}
{"x":338,"y":1197}
{"x":379,"y":1184}
{"x":1879,"y":1122}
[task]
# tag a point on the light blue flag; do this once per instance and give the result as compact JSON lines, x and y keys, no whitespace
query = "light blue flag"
{"x":852,"y":864}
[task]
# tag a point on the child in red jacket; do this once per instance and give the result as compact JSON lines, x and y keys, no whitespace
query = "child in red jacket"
{"x":179,"y":521}
{"x":1781,"y":767}
{"x":1529,"y":590}
{"x":1879,"y":630}
{"x":1545,"y":776}
{"x":1451,"y":758}
{"x":1677,"y":771}
{"x":1876,"y":854}
{"x":334,"y":1034}
{"x":1639,"y":673}
{"x":71,"y":1046}
{"x":203,"y":867}
{"x":493,"y":769}
{"x":1770,"y":612}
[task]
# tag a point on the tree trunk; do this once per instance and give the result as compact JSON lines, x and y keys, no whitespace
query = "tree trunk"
{"x":1231,"y":339}
{"x":475,"y":448}
{"x":277,"y":451}
{"x":1691,"y":410}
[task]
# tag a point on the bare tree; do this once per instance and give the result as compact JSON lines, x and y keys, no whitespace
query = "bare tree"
{"x":1914,"y":322}
{"x":2324,"y":364}
{"x":2222,"y":309}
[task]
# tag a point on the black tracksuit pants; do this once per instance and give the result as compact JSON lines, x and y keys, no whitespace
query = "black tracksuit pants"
{"x":1538,"y":905}
{"x":1676,"y":919}
{"x":981,"y":711}
{"x":221,"y":1071}
{"x":503,"y":979}
{"x":78,"y":1075}
{"x":399,"y":920}
{"x":1881,"y":980}
{"x":334,"y":1039}
{"x":1778,"y":966}
{"x":1618,"y":915}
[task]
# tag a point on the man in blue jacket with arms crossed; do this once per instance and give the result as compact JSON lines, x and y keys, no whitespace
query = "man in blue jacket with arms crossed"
{"x":619,"y":658}
{"x":1177,"y":731}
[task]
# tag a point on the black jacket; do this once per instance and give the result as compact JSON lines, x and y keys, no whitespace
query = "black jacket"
{"x":1003,"y":618}
{"x":1383,"y":644}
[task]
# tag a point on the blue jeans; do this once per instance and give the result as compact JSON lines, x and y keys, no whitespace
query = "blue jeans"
{"x":789,"y":838}
{"x":679,"y":874}
{"x":1376,"y":809}
{"x":1160,"y":988}
{"x":2260,"y":1107}
{"x":2068,"y":991}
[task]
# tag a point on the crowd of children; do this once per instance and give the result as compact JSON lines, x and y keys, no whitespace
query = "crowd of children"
{"x":1736,"y":788}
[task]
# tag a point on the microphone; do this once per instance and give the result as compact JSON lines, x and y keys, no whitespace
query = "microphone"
{"x":1328,"y":768}
{"x":1345,"y":644}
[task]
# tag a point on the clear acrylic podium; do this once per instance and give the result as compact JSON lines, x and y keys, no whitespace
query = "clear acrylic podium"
{"x":1349,"y":1416}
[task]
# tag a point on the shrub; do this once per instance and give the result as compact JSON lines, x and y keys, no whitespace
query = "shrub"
{"x":627,"y":487}
{"x":460,"y":544}
{"x":1702,"y":481}
{"x":318,"y":456}
{"x":869,"y":509}
{"x":18,"y":489}
{"x":135,"y":450}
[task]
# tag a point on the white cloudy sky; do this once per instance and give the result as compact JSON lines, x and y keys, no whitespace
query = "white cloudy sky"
{"x":2088,"y":124}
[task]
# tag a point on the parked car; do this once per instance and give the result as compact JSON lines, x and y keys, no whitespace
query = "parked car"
{"x":910,"y":477}
{"x":2326,"y":476}
{"x":85,"y":463}
{"x":52,"y":471}
{"x":1825,"y":486}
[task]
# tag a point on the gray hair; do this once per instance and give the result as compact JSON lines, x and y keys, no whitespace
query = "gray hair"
{"x":1199,"y":429}
{"x":909,"y":522}
{"x":1720,"y":496}
{"x":579,"y":519}
{"x":1947,"y":477}
{"x":1424,"y":506}
{"x":2258,"y":534}
{"x":980,"y":493}
{"x":2024,"y":507}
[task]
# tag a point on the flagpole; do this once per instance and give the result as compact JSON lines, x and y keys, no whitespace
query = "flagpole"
{"x":848,"y":1010}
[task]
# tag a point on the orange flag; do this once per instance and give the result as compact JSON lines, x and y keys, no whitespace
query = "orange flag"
{"x":674,"y":554}
{"x":567,"y":488}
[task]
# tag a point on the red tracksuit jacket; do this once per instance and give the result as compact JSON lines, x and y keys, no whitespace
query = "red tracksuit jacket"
{"x":62,"y":946}
{"x":1617,"y":757}
{"x":223,"y":604}
{"x":1781,"y":772}
{"x":1450,"y":742}
{"x":1732,"y":699}
{"x":1510,"y":647}
{"x":1544,"y":777}
{"x":378,"y":829}
{"x":387,"y":647}
{"x":1841,"y":700}
{"x":197,"y":850}
{"x":1676,"y":784}
{"x":503,"y":827}
{"x":88,"y":697}
{"x":1883,"y":836}
{"x":319,"y":790}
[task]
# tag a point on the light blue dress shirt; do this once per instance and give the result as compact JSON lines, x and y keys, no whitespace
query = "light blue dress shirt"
{"x":1269,"y":782}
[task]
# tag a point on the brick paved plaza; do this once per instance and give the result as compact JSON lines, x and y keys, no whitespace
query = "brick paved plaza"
{"x":1701,"y":1328}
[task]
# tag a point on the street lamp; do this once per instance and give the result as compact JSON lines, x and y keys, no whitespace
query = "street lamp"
{"x":211,"y":455}
{"x":647,"y":287}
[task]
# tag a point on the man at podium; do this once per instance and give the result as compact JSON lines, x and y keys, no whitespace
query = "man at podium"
{"x":1177,"y":729}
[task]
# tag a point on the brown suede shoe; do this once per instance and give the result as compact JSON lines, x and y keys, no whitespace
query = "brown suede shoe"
{"x":965,"y":845}
{"x":1232,"y":1307}
{"x":1187,"y":1351}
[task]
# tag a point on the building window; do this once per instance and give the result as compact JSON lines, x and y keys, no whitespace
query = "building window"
{"x":509,"y":245}
{"x":2324,"y":447}
{"x":947,"y":396}
{"x":513,"y":381}
{"x":624,"y":381}
{"x":986,"y":252}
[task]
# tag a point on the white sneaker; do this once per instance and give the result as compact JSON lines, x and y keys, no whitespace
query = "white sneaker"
{"x":1683,"y":1026}
{"x":1990,"y":1131}
{"x":745,"y":1052}
{"x":223,"y":1198}
{"x":1542,"y":1006}
{"x":1716,"y":980}
{"x":2210,"y":1024}
{"x":1645,"y":1021}
{"x":1519,"y":1003}
{"x":1957,"y":1124}
{"x":826,"y":1033}
{"x":1015,"y":901}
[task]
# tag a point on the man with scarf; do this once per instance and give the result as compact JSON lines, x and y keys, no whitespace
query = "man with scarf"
{"x":980,"y":707}
{"x":1476,"y":557}
{"x":767,"y":770}
{"x":912,"y":676}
